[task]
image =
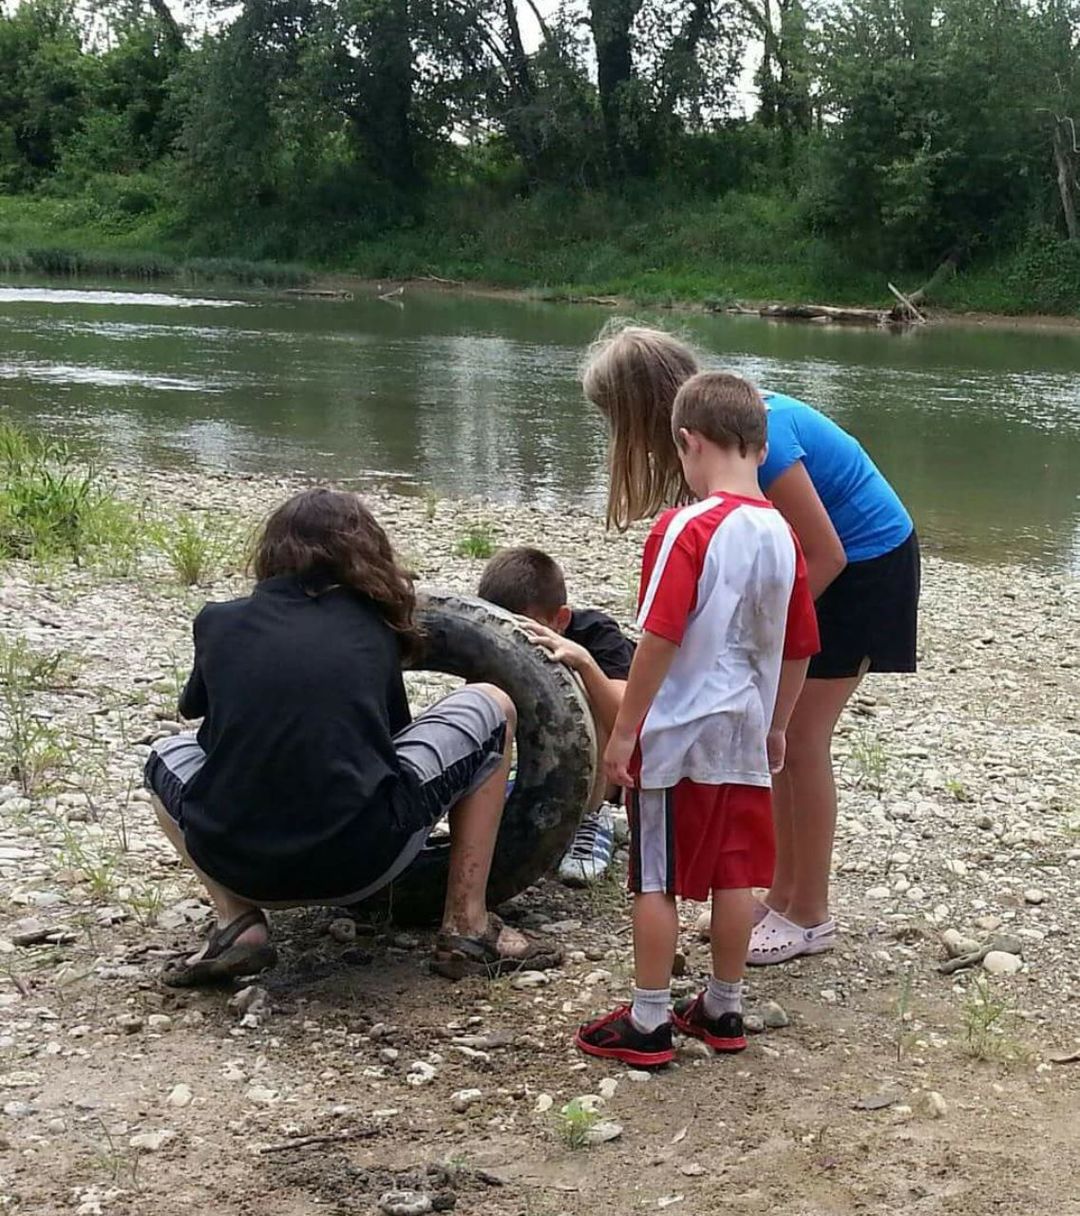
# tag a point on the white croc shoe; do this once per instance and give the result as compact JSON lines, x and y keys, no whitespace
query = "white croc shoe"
{"x":776,"y":939}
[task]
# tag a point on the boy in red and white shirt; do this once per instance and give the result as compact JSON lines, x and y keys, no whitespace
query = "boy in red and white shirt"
{"x":728,"y":628}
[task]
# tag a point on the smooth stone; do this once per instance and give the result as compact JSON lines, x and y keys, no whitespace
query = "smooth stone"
{"x":530,"y":979}
{"x":404,"y":1203}
{"x":602,"y":1133}
{"x":1033,"y":895}
{"x":934,"y":1105}
{"x":151,"y":1142}
{"x":753,"y":1023}
{"x":180,"y":1096}
{"x":775,"y":1016}
{"x":878,"y":893}
{"x":420,"y":1073}
{"x":997,"y":962}
{"x":464,"y":1098}
{"x":957,"y":944}
{"x":343,"y":929}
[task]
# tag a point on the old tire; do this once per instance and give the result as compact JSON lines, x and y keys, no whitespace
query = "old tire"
{"x":556,"y":752}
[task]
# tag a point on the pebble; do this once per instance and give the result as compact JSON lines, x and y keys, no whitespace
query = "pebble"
{"x":464,"y":1098}
{"x":754,"y":1023}
{"x":259,"y":1095}
{"x":29,"y":932}
{"x":775,"y":1016}
{"x":151,"y":1142}
{"x":934,"y":1105}
{"x":878,"y":893}
{"x":607,"y":1088}
{"x":544,"y":1103}
{"x":530,"y":979}
{"x":957,"y":944}
{"x":988,"y":923}
{"x":180,"y":1096}
{"x":160,"y":1022}
{"x":130,"y":1023}
{"x":638,"y":1075}
{"x":389,"y":1055}
{"x":603,"y":1132}
{"x":343,"y":929}
{"x":420,"y":1073}
{"x":1033,"y":895}
{"x":997,"y":962}
{"x":404,"y":1203}
{"x":251,"y":999}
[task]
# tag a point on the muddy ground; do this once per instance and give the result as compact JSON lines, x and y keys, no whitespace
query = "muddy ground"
{"x":893,"y":1087}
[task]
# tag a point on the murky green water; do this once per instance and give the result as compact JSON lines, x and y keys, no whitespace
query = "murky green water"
{"x":979,"y":429}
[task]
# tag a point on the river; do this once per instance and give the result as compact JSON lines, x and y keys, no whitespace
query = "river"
{"x":978,"y":428}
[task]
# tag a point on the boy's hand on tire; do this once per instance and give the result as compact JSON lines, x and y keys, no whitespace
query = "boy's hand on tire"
{"x":561,"y":649}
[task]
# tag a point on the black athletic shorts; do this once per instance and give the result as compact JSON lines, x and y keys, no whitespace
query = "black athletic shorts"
{"x":870,"y":612}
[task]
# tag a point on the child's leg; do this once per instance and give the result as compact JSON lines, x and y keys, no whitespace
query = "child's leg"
{"x":804,"y":858}
{"x":227,"y":906}
{"x":656,"y":936}
{"x":474,"y":828}
{"x":731,"y":924}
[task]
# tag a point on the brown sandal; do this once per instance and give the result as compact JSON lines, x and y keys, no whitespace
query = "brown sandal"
{"x":457,"y":956}
{"x":223,"y":959}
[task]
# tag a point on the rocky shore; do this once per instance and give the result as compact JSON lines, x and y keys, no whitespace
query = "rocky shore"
{"x":880,"y":1083}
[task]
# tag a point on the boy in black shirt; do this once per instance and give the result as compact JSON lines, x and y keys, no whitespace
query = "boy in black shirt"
{"x":531,"y":584}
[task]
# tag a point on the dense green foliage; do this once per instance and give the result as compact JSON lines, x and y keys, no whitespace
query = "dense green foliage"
{"x":600,"y":145}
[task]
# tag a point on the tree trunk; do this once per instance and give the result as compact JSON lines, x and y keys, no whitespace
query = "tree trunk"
{"x":1066,"y":176}
{"x":169,"y":25}
{"x":610,"y":21}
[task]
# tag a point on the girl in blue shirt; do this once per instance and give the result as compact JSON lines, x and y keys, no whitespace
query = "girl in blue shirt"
{"x":862,"y":558}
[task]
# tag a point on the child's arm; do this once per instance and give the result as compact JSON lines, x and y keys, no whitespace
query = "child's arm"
{"x":605,"y":694}
{"x":651,"y":663}
{"x":792,"y":678}
{"x":194,"y":702}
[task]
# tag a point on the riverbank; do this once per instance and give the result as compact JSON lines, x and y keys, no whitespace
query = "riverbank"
{"x":891,"y":1086}
{"x":701,"y":257}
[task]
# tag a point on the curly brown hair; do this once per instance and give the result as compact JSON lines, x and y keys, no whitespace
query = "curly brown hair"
{"x":329,"y":538}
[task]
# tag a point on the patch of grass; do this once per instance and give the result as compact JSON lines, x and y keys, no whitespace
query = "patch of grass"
{"x":574,"y":1121}
{"x":55,"y":504}
{"x":199,"y":547}
{"x":903,"y":1033}
{"x":30,"y":746}
{"x":958,"y":790}
{"x":477,"y":541}
{"x":988,"y":1020}
{"x":870,"y":759}
{"x":431,"y":505}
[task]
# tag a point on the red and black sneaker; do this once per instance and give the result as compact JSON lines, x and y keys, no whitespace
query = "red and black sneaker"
{"x":724,"y":1033}
{"x":615,"y":1037}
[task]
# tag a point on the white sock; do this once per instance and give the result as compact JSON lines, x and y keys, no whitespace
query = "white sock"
{"x":722,"y":997}
{"x":651,"y":1008}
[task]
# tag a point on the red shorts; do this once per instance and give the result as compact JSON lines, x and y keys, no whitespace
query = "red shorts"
{"x":695,"y":839}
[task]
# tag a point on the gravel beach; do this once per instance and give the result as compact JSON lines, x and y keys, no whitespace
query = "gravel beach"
{"x":879,"y":1083}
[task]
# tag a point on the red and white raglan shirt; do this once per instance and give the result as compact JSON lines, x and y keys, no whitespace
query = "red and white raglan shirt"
{"x":725,"y":580}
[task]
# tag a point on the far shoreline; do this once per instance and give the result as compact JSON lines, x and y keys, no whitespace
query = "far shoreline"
{"x":278,"y":278}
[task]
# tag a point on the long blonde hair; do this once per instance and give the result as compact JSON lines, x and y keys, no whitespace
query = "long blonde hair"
{"x":631,"y":375}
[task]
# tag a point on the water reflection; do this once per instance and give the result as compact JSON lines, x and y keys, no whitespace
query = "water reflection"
{"x":979,"y":429}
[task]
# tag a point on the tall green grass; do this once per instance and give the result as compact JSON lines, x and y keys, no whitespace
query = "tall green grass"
{"x":55,"y":505}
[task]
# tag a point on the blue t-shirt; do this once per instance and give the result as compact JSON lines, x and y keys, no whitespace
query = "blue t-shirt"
{"x":865,"y":510}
